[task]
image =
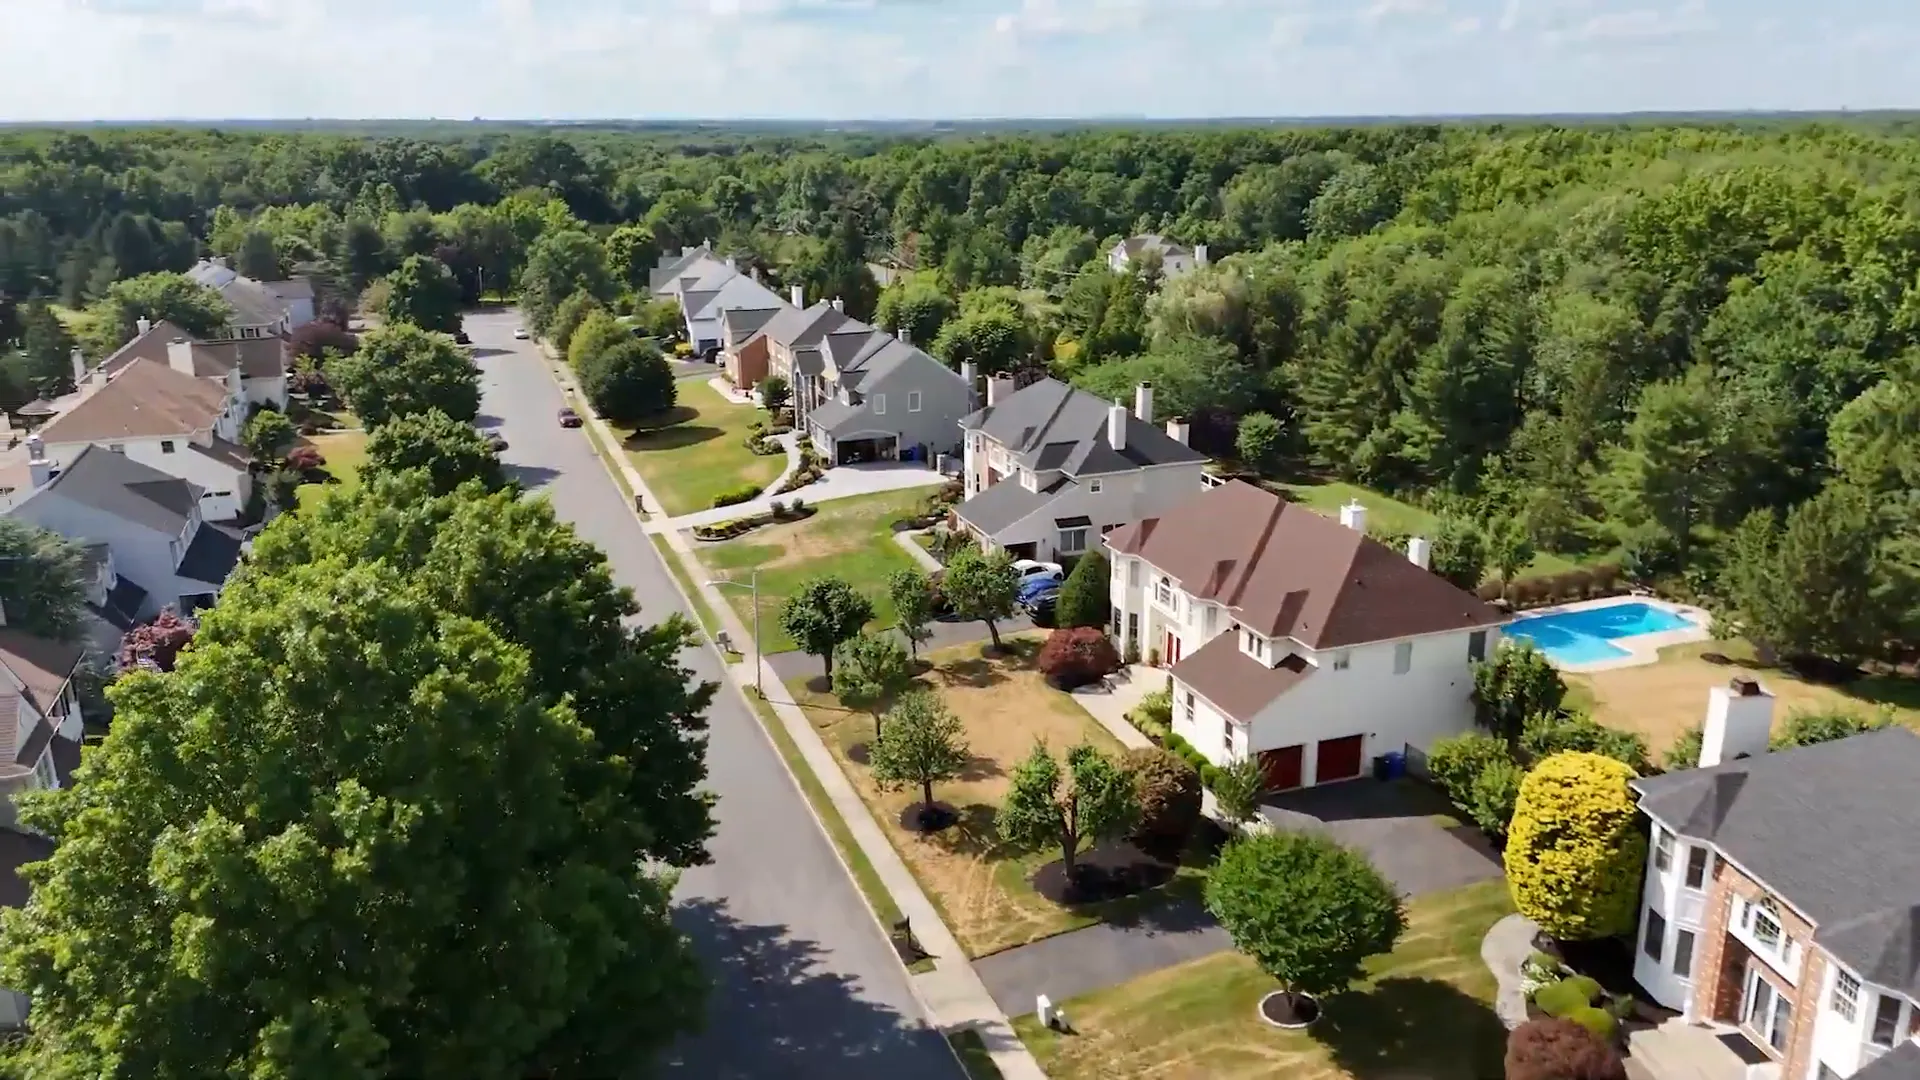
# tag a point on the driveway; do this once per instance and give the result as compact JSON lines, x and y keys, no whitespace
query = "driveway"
{"x":1398,"y":825}
{"x":842,"y":482}
{"x":946,"y":634}
{"x":807,"y":985}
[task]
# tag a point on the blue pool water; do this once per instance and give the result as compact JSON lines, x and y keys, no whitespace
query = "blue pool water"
{"x":1586,"y":636}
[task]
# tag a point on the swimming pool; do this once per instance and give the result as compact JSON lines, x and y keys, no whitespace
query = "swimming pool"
{"x":1585,"y":636}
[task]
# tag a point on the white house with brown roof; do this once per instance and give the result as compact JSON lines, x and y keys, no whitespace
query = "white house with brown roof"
{"x":159,"y":414}
{"x":1294,"y":637}
{"x":260,"y":361}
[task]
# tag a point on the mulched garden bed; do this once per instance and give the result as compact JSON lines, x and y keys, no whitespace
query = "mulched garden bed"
{"x":1107,"y":871}
{"x":1297,"y":1010}
{"x":1608,"y":962}
{"x":928,"y":817}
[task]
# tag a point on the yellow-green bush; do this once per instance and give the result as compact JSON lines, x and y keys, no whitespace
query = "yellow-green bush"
{"x":1574,"y":852}
{"x":1598,"y":1021}
{"x":1561,"y":999}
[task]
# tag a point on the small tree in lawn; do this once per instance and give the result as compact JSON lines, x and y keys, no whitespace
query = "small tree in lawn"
{"x":1307,"y":910}
{"x":1258,"y":440}
{"x":1509,"y":548}
{"x":823,"y":613}
{"x":912,"y":595}
{"x":922,"y":744}
{"x":982,"y":586}
{"x":268,"y":436}
{"x":1554,"y":1049}
{"x":1086,"y":596}
{"x":775,"y":393}
{"x":1092,"y":799}
{"x":1574,"y":849}
{"x":1460,"y":553}
{"x":157,"y":642}
{"x":869,"y":669}
{"x":1236,"y":789}
{"x":1515,"y":683}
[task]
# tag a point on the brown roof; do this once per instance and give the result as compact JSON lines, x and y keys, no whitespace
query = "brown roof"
{"x":257,"y":358}
{"x":1236,"y":683}
{"x":43,"y":666}
{"x":145,"y":400}
{"x":1286,"y":571}
{"x":151,"y":345}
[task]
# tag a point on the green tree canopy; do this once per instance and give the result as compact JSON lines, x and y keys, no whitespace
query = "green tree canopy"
{"x":450,"y":452}
{"x":1086,"y":596}
{"x":42,"y":580}
{"x":114,"y":319}
{"x":629,"y":382}
{"x":821,"y":614}
{"x":917,"y":304}
{"x":921,"y":744}
{"x":422,"y":291}
{"x":1514,"y":684}
{"x":1092,"y":799}
{"x":868,"y":670}
{"x":559,"y":264}
{"x":912,"y":596}
{"x":401,"y":369}
{"x":268,"y":436}
{"x":982,"y":586}
{"x":992,"y":341}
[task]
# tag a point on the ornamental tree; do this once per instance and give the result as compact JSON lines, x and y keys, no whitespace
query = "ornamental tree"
{"x":268,"y":436}
{"x":1515,"y":683}
{"x":868,"y":670}
{"x":1085,"y":597}
{"x":1309,"y":911}
{"x":1092,"y":799}
{"x":448,"y":451}
{"x":1237,"y":787}
{"x":775,"y":394}
{"x":401,"y":369}
{"x":912,"y":595}
{"x":156,"y":643}
{"x":1574,"y":852}
{"x":823,"y":613}
{"x":1168,"y":788}
{"x":1077,"y":656}
{"x":982,"y":586}
{"x":922,"y":744}
{"x":1554,"y":1049}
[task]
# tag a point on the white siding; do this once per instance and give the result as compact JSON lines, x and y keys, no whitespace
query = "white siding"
{"x":1683,"y":908}
{"x":225,"y":488}
{"x":1842,"y":1044}
{"x":1122,"y":498}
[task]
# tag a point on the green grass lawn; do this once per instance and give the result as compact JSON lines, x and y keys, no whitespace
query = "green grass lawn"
{"x":344,"y":451}
{"x":848,"y":538}
{"x":700,"y":451}
{"x":1424,"y":1011}
{"x":1387,"y":512}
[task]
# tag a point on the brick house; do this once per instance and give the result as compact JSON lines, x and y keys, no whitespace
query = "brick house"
{"x":1781,"y":909}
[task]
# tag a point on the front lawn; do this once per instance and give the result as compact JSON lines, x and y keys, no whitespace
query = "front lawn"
{"x":1425,"y":1013}
{"x":850,"y":539}
{"x":699,"y":451}
{"x":980,"y":887}
{"x":344,"y":452}
{"x":1659,"y":701}
{"x":1387,"y":512}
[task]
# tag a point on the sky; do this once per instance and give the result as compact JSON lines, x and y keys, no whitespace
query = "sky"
{"x":945,"y":59}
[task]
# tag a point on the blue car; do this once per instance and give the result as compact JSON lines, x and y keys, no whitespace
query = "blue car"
{"x":1038,"y":591}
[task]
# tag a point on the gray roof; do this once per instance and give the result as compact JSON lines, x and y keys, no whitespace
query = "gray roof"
{"x":1900,"y":1063}
{"x":743,"y":323}
{"x":212,"y":555}
{"x":664,"y":279}
{"x":1007,"y":502}
{"x":114,"y":484}
{"x":1134,"y":245}
{"x":833,"y":416}
{"x":293,"y":288}
{"x":737,"y":291}
{"x":1830,"y":829}
{"x":798,"y":327}
{"x":1051,"y":425}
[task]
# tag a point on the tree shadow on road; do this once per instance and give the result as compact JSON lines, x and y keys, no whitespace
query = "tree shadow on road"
{"x":776,"y":1011}
{"x":529,"y":477}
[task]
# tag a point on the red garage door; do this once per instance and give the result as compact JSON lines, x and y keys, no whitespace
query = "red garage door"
{"x":1281,"y":768}
{"x":1338,"y":759}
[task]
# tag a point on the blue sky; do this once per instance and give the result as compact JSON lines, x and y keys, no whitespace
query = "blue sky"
{"x":836,"y":59}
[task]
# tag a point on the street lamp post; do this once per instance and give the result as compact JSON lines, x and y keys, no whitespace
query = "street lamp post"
{"x":754,"y":585}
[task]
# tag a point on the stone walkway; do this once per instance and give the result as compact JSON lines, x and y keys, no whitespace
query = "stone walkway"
{"x":914,"y":551}
{"x":1507,"y":945}
{"x":1109,"y":703}
{"x":843,"y":482}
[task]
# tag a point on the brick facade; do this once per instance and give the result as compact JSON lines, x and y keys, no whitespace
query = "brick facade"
{"x":1722,"y":962}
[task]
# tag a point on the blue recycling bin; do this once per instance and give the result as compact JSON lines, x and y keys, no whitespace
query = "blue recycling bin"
{"x":1396,"y":764}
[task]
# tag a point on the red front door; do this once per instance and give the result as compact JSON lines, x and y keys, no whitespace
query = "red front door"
{"x":1281,"y":768}
{"x":1338,"y":759}
{"x":1172,"y":650}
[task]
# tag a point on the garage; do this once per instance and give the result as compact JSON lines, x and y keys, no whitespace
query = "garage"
{"x":1281,"y":768}
{"x":860,"y":451}
{"x":1338,"y":759}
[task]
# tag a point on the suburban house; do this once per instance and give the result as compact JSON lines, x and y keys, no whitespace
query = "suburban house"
{"x":1175,"y":259}
{"x":878,"y":398}
{"x":1048,"y":469}
{"x":793,"y":343}
{"x":260,"y":308}
{"x":743,"y":350}
{"x":261,"y":361}
{"x":1295,"y":637}
{"x":1781,"y":908}
{"x":152,"y":523}
{"x":40,"y":714}
{"x":708,"y":286}
{"x":157,"y":413}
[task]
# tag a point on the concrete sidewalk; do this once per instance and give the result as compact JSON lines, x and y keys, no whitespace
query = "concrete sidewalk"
{"x":953,"y":994}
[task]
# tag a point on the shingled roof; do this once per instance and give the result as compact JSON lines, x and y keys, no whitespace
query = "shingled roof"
{"x":1051,"y":426}
{"x":144,"y":400}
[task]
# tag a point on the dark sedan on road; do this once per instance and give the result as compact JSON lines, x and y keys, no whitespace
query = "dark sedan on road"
{"x":569,"y":418}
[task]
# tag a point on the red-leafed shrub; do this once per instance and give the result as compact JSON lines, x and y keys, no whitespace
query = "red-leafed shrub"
{"x":1076,"y":656}
{"x":305,"y":458}
{"x":156,"y":644}
{"x":1553,"y":1049}
{"x":315,"y":339}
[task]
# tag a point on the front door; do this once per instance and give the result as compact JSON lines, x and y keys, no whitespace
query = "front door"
{"x":1171,"y":651}
{"x":1766,"y":1011}
{"x":1280,"y":769}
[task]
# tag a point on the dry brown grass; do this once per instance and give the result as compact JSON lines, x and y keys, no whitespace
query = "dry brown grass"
{"x":1424,"y":1014}
{"x":1005,"y":706}
{"x":1659,"y":701}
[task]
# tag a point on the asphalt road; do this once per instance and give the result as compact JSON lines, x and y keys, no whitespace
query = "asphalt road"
{"x":807,"y":985}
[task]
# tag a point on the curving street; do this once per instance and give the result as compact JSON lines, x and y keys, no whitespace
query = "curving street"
{"x":808,"y":986}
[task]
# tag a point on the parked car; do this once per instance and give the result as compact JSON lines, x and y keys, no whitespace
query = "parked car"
{"x":1035,"y":570}
{"x":1036,"y":591}
{"x":520,"y":333}
{"x":569,"y":418}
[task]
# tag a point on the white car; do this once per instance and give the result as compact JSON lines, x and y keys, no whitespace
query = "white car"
{"x":1029,"y":569}
{"x":520,"y":333}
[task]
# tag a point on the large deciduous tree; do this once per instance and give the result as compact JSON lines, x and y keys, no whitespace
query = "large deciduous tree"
{"x":868,"y":670}
{"x":821,"y":614}
{"x":921,"y":744}
{"x":912,"y":596}
{"x":560,"y":264}
{"x":114,"y":319}
{"x":1513,"y":685}
{"x":1092,"y":799}
{"x":630,"y":382}
{"x":451,"y":453}
{"x":1574,"y":850}
{"x":422,"y":291}
{"x":48,"y":349}
{"x":42,"y":580}
{"x":401,"y":369}
{"x":982,"y":586}
{"x":268,"y":436}
{"x":992,"y":341}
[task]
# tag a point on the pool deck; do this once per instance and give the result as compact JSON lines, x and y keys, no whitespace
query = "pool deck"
{"x":1640,"y":648}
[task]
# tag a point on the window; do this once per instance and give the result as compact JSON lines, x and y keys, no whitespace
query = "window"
{"x":879,"y":404}
{"x":1477,"y":645}
{"x":1116,"y":620}
{"x":1186,"y":706}
{"x":1655,"y":936}
{"x":1886,"y":1021}
{"x":1255,"y":645}
{"x":1133,"y":573}
{"x":166,"y":446}
{"x":118,"y":448}
{"x":1209,"y":621}
{"x":1768,"y":1012}
{"x":1093,"y":487}
{"x":1226,"y":738}
{"x":1403,"y":658}
{"x":1662,"y":849}
{"x":1846,"y":996}
{"x":1073,"y":540}
{"x":1696,"y":867}
{"x":1163,"y":590}
{"x":913,"y":401}
{"x":1342,"y":660}
{"x":1683,"y":953}
{"x":44,"y":771}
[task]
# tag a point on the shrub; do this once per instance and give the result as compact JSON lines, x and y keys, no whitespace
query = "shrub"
{"x":1455,"y":763}
{"x":1490,"y":591}
{"x":1075,"y":656}
{"x":1561,"y":998}
{"x":1545,"y":736}
{"x":736,"y":496}
{"x":1515,"y":683}
{"x":1154,"y":715}
{"x":1599,"y":1022}
{"x":1556,"y":1049}
{"x":1493,"y":795}
{"x":1684,"y":752}
{"x":1084,"y":598}
{"x":305,"y":458}
{"x":1169,"y":791}
{"x":1574,"y":850}
{"x":1186,"y":751}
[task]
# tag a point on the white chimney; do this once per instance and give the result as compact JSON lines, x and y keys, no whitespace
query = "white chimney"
{"x":906,"y":335}
{"x":799,"y":293}
{"x":839,"y":304}
{"x":180,"y":355}
{"x":998,"y":386}
{"x":1199,"y":254}
{"x":1739,"y":721}
{"x":79,"y":366}
{"x":97,"y":378}
{"x":144,"y":324}
{"x":1420,"y":552}
{"x":1117,"y":425}
{"x":731,"y":264}
{"x":1354,"y":516}
{"x":967,"y":377}
{"x":1143,"y":402}
{"x":1177,"y":430}
{"x":38,"y":467}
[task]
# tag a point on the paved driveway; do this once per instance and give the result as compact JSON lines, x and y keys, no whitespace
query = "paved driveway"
{"x":807,"y":985}
{"x":1396,"y":825}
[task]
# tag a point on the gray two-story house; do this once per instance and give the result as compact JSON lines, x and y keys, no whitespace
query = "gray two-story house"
{"x":151,"y":522}
{"x":877,"y":398}
{"x":1050,"y":469}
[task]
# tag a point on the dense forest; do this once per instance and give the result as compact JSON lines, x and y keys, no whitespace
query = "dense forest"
{"x":1688,"y":350}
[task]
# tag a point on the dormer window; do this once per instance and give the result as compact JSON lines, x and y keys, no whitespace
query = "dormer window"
{"x":1343,"y":660}
{"x":1027,"y":479}
{"x":1253,"y":644}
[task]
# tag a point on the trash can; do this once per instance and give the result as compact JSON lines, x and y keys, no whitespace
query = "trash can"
{"x":1396,"y":764}
{"x":1381,"y":767}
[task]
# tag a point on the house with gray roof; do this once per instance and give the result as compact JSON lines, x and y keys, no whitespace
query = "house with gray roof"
{"x":1049,"y":469}
{"x":706,"y":287}
{"x":260,"y":308}
{"x":879,"y":398}
{"x":1781,"y":905}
